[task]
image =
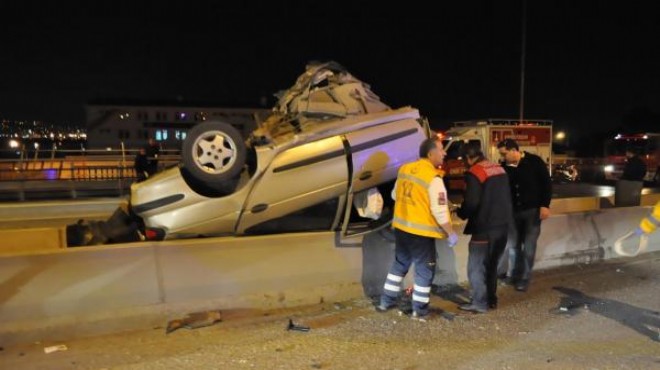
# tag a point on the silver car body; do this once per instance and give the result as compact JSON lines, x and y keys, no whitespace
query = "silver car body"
{"x":328,"y":138}
{"x":330,"y":160}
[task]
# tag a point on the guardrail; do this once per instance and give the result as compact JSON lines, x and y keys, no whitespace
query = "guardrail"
{"x":73,"y":176}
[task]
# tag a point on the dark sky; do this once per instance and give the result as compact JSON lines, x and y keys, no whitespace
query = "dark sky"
{"x":590,"y":64}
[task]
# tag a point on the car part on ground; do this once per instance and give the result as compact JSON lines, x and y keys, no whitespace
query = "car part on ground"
{"x":121,"y":227}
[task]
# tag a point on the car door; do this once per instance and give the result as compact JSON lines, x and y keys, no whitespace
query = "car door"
{"x":378,"y":151}
{"x":303,"y":176}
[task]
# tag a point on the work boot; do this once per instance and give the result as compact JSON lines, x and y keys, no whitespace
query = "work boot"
{"x":472,"y":308}
{"x":383,"y":308}
{"x":506,"y":280}
{"x":522,"y":286}
{"x":416,"y":316}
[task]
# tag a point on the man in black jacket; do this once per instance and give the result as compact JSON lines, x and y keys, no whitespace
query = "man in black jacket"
{"x":531,"y":192}
{"x":487,"y":207}
{"x":152,"y":150}
{"x":628,"y":190}
{"x":635,"y":168}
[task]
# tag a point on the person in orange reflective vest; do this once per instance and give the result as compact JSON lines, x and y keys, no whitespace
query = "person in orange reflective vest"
{"x":651,"y":222}
{"x":421,"y":215}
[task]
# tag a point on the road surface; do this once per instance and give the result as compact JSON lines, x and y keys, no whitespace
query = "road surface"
{"x":599,"y":316}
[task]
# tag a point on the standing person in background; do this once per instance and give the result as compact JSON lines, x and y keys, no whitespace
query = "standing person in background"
{"x":141,"y":165}
{"x":531,"y":192}
{"x":487,"y":207}
{"x":628,"y":190}
{"x":152,"y":151}
{"x":421,"y":215}
{"x":635,"y":168}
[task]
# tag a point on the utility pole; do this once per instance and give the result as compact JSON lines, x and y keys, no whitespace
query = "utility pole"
{"x":522,"y":60}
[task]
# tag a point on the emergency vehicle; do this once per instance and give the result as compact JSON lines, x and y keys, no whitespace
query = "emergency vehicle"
{"x":646,"y":144}
{"x":533,"y":136}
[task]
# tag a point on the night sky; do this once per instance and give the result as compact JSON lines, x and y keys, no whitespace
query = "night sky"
{"x":589,"y":64}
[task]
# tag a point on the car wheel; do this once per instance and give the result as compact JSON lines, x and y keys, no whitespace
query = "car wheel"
{"x":209,"y":190}
{"x":213,"y":153}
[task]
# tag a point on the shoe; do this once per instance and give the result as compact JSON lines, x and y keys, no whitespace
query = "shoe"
{"x":417,"y":317}
{"x":507,"y":280}
{"x":382,"y":308}
{"x":522,"y":286}
{"x":492,"y":305}
{"x":472,"y":308}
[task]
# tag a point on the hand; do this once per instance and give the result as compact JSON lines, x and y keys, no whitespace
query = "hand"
{"x":544,"y":213}
{"x":453,"y":207}
{"x":452,"y":240}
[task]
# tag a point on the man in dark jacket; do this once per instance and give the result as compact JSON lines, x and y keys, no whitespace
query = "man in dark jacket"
{"x":141,"y":165}
{"x":635,"y":168}
{"x":628,"y":190}
{"x":152,"y":150}
{"x":531,"y":192}
{"x":487,"y":207}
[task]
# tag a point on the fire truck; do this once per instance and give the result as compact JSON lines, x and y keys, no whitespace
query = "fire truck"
{"x":533,"y":136}
{"x":647,"y":145}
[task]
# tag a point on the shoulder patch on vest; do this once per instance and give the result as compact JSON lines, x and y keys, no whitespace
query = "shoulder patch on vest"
{"x":442,"y":199}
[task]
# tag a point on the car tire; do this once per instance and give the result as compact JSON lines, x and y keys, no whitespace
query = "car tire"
{"x":209,"y":190}
{"x":213,"y":153}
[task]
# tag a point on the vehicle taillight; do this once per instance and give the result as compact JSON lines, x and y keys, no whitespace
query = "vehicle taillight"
{"x":154,"y":234}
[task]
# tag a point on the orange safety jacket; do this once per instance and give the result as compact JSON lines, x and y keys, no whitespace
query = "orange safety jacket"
{"x":412,"y":209}
{"x":651,"y":222}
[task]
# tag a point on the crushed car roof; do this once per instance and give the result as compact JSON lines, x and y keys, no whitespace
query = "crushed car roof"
{"x":325,"y":92}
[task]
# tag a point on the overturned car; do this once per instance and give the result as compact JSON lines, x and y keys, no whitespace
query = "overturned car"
{"x":328,"y":140}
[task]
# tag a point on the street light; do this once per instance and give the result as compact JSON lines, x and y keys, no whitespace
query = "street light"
{"x":560,"y":135}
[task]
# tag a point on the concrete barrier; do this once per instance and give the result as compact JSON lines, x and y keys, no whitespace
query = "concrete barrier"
{"x":43,"y":290}
{"x":29,"y":211}
{"x":41,"y":239}
{"x":79,"y":284}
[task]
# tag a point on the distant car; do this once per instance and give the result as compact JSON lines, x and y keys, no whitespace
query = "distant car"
{"x":328,"y":138}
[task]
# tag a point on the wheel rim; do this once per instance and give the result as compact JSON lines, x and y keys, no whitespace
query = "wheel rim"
{"x":214,"y":152}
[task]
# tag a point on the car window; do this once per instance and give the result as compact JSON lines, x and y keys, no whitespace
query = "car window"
{"x":318,"y":217}
{"x":454,"y":150}
{"x":358,"y":224}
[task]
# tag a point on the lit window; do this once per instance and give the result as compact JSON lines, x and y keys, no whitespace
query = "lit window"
{"x":180,"y":135}
{"x":161,"y":135}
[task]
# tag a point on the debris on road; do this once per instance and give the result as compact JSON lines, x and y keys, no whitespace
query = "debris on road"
{"x":295,"y":327}
{"x":195,"y":320}
{"x":51,"y":349}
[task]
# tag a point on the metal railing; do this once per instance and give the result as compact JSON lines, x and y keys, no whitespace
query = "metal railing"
{"x":77,"y":174}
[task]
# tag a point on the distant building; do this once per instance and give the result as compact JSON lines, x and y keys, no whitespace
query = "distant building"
{"x":111,"y":123}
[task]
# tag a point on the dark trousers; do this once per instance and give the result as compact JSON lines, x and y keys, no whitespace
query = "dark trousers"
{"x":485,"y":251}
{"x":527,"y":225}
{"x":409,"y":249}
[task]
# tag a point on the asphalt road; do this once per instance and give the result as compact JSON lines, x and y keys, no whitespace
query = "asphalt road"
{"x":598,"y":316}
